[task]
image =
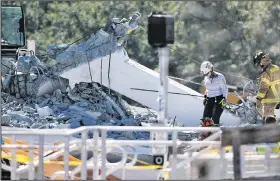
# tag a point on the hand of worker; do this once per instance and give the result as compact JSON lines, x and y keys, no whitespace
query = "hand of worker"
{"x":258,"y":103}
{"x":223,"y":103}
{"x":204,"y":100}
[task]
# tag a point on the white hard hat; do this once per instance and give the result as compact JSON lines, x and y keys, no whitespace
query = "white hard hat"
{"x":206,"y":67}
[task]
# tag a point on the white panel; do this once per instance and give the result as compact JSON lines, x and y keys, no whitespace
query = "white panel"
{"x":126,"y":74}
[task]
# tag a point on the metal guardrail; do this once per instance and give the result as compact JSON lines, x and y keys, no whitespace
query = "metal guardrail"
{"x":99,"y":142}
{"x":100,"y":146}
{"x":237,"y":137}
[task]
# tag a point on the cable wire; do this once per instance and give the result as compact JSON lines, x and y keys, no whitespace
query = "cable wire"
{"x":233,"y":75}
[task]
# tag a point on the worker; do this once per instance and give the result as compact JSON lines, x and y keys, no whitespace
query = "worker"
{"x":215,"y":96}
{"x":268,"y":96}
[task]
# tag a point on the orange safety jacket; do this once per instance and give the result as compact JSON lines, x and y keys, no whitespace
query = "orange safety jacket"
{"x":269,"y":90}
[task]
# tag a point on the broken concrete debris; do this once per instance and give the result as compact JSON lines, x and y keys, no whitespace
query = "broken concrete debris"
{"x":59,"y":110}
{"x":44,"y":111}
{"x":70,"y":110}
{"x":35,"y":96}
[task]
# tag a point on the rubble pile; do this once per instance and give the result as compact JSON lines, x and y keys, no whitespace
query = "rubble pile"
{"x":82,"y":106}
{"x":36,"y":96}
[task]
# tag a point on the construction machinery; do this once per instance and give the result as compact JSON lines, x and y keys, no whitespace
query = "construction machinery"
{"x":13,"y":37}
{"x":14,"y":46}
{"x":13,"y":32}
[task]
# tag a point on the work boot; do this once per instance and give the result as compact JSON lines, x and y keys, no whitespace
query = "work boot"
{"x":207,"y":122}
{"x":270,"y":120}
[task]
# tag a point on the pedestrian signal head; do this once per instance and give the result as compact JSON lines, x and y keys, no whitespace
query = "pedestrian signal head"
{"x":206,"y":67}
{"x":160,"y":29}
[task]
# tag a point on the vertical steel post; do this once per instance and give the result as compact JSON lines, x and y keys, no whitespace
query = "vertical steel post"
{"x":223,"y":163}
{"x":13,"y":162}
{"x":31,"y":163}
{"x":174,"y":162}
{"x":66,"y":158}
{"x":242,"y":162}
{"x":237,"y":168}
{"x":84,"y":156}
{"x":95,"y":173}
{"x":41,"y":158}
{"x":163,"y":54}
{"x":103,"y":154}
{"x":267,"y":159}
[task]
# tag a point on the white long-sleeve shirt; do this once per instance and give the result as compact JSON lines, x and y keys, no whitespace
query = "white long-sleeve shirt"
{"x":216,"y":86}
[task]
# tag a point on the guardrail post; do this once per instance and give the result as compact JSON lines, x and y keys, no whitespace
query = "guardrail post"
{"x":41,"y":158}
{"x":236,"y":154}
{"x":13,"y":162}
{"x":103,"y":154}
{"x":66,"y":158}
{"x":95,"y":173}
{"x":223,"y":165}
{"x":84,"y":156}
{"x":31,"y":162}
{"x":173,"y":173}
{"x":242,"y":161}
{"x":188,"y":166}
{"x":267,"y":159}
{"x":269,"y":133}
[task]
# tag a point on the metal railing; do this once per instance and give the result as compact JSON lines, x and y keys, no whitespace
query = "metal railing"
{"x":100,"y":146}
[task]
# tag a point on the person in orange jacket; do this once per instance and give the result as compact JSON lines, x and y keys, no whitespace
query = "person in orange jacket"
{"x":268,"y":96}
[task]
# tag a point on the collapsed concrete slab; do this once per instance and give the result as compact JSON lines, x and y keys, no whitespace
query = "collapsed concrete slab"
{"x":75,"y":86}
{"x":101,"y":59}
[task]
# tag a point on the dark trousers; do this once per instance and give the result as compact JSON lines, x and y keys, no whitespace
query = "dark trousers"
{"x":213,"y":109}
